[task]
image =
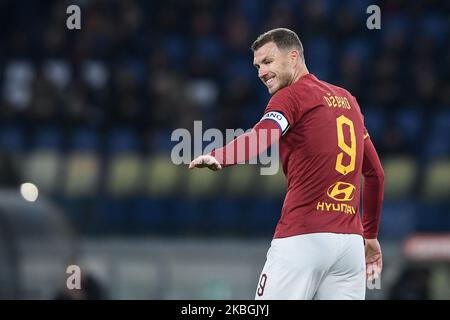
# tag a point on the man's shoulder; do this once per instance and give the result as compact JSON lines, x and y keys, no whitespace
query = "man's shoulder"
{"x":308,"y":90}
{"x":309,"y":86}
{"x":283,"y":94}
{"x":335,"y":88}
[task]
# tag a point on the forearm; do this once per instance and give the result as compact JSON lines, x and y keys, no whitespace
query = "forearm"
{"x":373,"y":191}
{"x":249,"y":145}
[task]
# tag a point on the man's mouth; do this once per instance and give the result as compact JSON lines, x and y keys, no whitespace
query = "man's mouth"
{"x":270,"y":81}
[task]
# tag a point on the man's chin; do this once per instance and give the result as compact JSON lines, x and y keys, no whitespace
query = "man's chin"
{"x":273,"y":90}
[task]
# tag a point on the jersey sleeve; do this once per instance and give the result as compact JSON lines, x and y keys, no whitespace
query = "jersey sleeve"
{"x":282,"y":109}
{"x":366,"y":133}
{"x":373,"y":190}
{"x":248,"y":145}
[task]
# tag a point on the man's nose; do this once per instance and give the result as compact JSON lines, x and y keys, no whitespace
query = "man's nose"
{"x":262,"y":73}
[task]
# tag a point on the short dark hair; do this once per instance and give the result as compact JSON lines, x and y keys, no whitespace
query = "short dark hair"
{"x":282,"y":37}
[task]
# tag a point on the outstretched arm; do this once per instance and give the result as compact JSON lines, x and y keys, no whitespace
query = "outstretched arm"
{"x":242,"y":149}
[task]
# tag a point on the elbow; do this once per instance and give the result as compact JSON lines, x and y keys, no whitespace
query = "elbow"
{"x":377,"y":177}
{"x":375,"y":174}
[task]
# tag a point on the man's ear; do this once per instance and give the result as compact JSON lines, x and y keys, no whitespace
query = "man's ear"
{"x":294,"y":55}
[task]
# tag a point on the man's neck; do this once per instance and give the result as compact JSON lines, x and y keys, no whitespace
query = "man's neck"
{"x":300,"y":73}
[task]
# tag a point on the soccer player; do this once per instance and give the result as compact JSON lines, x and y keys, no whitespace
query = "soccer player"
{"x":321,"y":248}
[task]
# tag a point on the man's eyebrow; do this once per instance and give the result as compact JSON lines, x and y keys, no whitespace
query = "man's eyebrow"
{"x":256,"y":65}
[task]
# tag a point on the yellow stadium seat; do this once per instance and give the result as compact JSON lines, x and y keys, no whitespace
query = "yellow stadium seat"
{"x":124,"y":175}
{"x":42,"y":167}
{"x":201,"y":183}
{"x":437,"y":180}
{"x":272,"y":186}
{"x":400,"y":176}
{"x":162,"y":176}
{"x":83,"y":172}
{"x":239,"y":180}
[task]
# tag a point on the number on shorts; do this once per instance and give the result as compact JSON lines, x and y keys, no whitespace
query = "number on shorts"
{"x":262,"y":284}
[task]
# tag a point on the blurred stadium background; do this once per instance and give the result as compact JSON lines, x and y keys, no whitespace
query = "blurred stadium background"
{"x":87,"y":116}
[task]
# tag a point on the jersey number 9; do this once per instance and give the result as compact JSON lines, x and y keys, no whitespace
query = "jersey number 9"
{"x":350,"y":150}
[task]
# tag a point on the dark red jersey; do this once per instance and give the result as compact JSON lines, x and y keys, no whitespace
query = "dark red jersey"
{"x":324,"y":150}
{"x":321,"y":152}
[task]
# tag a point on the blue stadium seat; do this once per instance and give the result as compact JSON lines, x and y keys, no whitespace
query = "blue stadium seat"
{"x":356,"y":6}
{"x":210,"y":48}
{"x":85,"y":140}
{"x":318,"y":56}
{"x":151,"y":215}
{"x":225,"y":216}
{"x":12,"y":139}
{"x":397,"y":219}
{"x":329,"y":6}
{"x":188,"y":216}
{"x":136,"y":68}
{"x":262,"y":92}
{"x":174,"y":46}
{"x":433,"y":217}
{"x":398,"y":22}
{"x":359,"y":48}
{"x":71,"y":210}
{"x":240,"y":68}
{"x":49,"y":138}
{"x":123,"y":140}
{"x":112,"y":216}
{"x":374,"y":121}
{"x":251,"y":115}
{"x":263,"y":215}
{"x":161,"y":141}
{"x":134,"y":215}
{"x":253,"y":12}
{"x":435,"y":26}
{"x":437,"y":145}
{"x":409,"y":121}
